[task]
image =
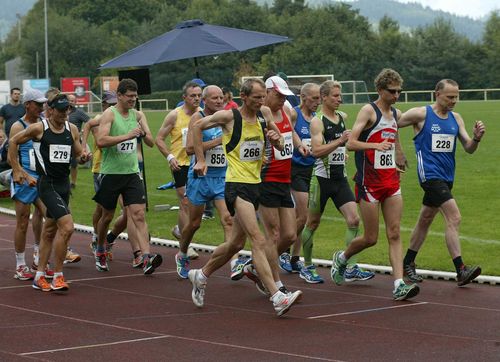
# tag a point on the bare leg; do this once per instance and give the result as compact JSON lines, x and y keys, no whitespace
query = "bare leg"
{"x":392,"y":209}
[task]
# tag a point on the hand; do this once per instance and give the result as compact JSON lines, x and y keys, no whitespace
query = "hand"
{"x":21,"y":177}
{"x":401,"y":162}
{"x":383,"y":146}
{"x":304,"y":151}
{"x":200,"y":168}
{"x":174,"y":166}
{"x":136,"y":132}
{"x":345,"y":135}
{"x":478,"y":130}
{"x":273,"y":137}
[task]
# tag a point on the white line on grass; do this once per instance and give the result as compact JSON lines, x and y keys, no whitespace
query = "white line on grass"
{"x":367,"y":310}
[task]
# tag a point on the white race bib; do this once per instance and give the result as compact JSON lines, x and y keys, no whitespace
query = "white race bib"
{"x":287,"y":148}
{"x":443,"y":142}
{"x":59,"y":153}
{"x":251,"y":150}
{"x":127,"y":146}
{"x":184,"y":132}
{"x":385,"y":159}
{"x":215,"y":157}
{"x":31,"y":155}
{"x":337,"y":157}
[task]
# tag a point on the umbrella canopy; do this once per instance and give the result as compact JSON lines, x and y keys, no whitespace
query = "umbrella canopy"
{"x":192,"y":39}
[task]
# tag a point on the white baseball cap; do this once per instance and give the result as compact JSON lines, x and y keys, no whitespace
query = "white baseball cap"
{"x":279,"y":85}
{"x":34,"y":95}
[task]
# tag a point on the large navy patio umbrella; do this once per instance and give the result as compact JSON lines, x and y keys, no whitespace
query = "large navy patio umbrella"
{"x":193,"y":39}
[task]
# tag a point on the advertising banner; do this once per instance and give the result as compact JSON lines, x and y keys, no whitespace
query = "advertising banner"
{"x":42,"y":85}
{"x":109,"y":84}
{"x":4,"y":92}
{"x":79,"y":87}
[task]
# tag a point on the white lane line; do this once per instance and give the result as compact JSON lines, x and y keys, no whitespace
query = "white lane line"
{"x":93,"y":345}
{"x":367,"y":310}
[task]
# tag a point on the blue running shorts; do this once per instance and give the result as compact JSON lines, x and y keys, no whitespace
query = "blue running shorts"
{"x":200,"y":190}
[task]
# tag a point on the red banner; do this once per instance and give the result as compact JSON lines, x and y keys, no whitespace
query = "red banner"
{"x":77,"y":86}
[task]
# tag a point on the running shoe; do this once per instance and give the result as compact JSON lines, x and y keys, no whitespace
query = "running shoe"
{"x":285,"y":301}
{"x":109,"y":251}
{"x":93,"y":246}
{"x":238,"y":269}
{"x":182,"y":264}
{"x":284,"y":262}
{"x":192,"y":254}
{"x":468,"y":274}
{"x":58,"y":284}
{"x":49,"y":273}
{"x":198,"y":293}
{"x":405,"y":291}
{"x":411,"y":273}
{"x":310,"y":275}
{"x":137,"y":261}
{"x":338,"y":268}
{"x":176,"y":233}
{"x":297,"y":266}
{"x":207,"y":217}
{"x":23,"y":273}
{"x":251,"y":273}
{"x":100,"y":262}
{"x":356,"y":274}
{"x":42,"y":284}
{"x":72,"y":257}
{"x":151,"y":262}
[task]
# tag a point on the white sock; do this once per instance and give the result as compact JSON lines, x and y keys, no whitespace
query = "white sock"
{"x":279,"y":284}
{"x":94,"y":237}
{"x":202,"y":277}
{"x":397,"y":282}
{"x":342,"y":258}
{"x":58,"y":274}
{"x":20,"y":260}
{"x":276,"y":296}
{"x":182,"y":255}
{"x":39,"y":274}
{"x":36,"y":253}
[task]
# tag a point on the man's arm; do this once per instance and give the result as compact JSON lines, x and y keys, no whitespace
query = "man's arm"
{"x":469,"y":144}
{"x":165,"y":129}
{"x":273,"y":133}
{"x":78,"y":151}
{"x":88,"y":126}
{"x":220,"y":118}
{"x":319,"y":148}
{"x":143,"y":124}
{"x":189,"y":140}
{"x":413,"y":117}
{"x":103,"y":137}
{"x":362,"y":121}
{"x":33,"y":132}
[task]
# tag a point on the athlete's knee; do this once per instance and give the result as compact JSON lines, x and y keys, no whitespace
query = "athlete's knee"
{"x":66,"y":230}
{"x":393,"y":235}
{"x":454,"y":220}
{"x":352,"y":221}
{"x":226,"y":221}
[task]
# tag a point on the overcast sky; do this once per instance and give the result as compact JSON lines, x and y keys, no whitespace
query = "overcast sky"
{"x":474,"y":9}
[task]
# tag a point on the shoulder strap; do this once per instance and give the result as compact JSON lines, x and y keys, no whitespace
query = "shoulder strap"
{"x":394,"y":113}
{"x":202,"y":113}
{"x":236,"y":135}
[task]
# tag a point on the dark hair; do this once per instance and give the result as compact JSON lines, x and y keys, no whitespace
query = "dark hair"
{"x":386,"y":77}
{"x":268,"y":74}
{"x":188,"y":85}
{"x":14,"y":89}
{"x":125,"y":85}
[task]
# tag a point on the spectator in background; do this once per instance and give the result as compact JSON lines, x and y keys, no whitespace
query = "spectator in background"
{"x":228,"y":99}
{"x":12,"y":111}
{"x":77,"y":117}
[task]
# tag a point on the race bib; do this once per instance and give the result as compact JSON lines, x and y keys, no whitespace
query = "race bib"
{"x":306,"y":142}
{"x":337,"y":157}
{"x":443,"y":142}
{"x":127,"y":146}
{"x":31,"y":155}
{"x":287,"y":149}
{"x":215,"y":157}
{"x":184,"y":132}
{"x":59,"y":153}
{"x":385,"y":159}
{"x":251,"y":150}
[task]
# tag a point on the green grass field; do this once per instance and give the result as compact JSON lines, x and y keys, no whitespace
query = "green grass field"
{"x":475,"y":190}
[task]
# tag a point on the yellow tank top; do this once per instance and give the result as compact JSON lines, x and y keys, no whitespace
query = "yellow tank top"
{"x":96,"y":156}
{"x":178,"y":137}
{"x":245,"y":159}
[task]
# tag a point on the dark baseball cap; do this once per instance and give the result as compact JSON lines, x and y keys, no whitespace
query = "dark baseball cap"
{"x":109,"y":97}
{"x":59,"y":102}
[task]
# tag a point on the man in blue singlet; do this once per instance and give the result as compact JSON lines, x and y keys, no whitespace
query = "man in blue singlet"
{"x":436,"y":129}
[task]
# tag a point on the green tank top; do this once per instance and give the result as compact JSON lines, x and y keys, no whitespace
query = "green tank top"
{"x":121,"y":159}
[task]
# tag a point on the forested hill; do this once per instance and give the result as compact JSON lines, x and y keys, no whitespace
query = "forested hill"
{"x":409,"y":16}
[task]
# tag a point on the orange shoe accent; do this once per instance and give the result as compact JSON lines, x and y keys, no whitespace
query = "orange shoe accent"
{"x":59,"y":284}
{"x":42,"y":284}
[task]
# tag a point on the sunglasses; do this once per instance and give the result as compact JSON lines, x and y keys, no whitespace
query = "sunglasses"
{"x":394,"y":91}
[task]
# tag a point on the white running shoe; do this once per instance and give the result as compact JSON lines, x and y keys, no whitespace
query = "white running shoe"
{"x":284,"y":302}
{"x":198,"y":293}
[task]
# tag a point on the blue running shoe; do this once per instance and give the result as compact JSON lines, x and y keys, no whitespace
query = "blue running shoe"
{"x":338,"y":268}
{"x":355,"y":274}
{"x":238,"y":269}
{"x":310,"y":275}
{"x":297,"y":267}
{"x":182,"y":264}
{"x":285,"y":262}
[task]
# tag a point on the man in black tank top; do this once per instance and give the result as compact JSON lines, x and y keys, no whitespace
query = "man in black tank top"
{"x":56,"y":141}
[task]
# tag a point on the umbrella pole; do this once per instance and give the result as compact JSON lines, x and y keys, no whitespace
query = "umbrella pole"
{"x":196,"y":67}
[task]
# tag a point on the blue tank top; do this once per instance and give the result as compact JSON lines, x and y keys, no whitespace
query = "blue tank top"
{"x":303,"y":130}
{"x":215,"y":157}
{"x":27,"y":155}
{"x":435,"y":146}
